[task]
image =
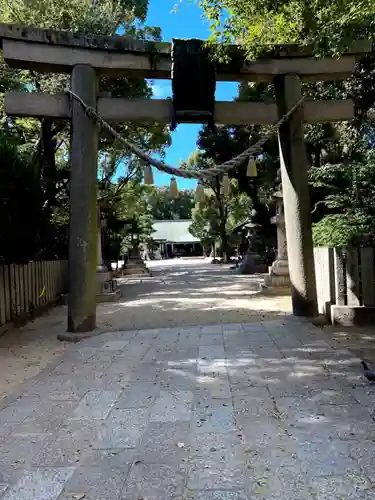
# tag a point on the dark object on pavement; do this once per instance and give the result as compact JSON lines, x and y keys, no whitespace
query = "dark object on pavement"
{"x":32,"y":310}
{"x":368,"y":373}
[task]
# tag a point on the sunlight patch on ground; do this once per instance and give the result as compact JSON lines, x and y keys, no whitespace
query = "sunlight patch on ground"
{"x":202,"y":303}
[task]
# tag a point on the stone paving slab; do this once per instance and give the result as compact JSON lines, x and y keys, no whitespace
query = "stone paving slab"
{"x":273,"y":410}
{"x":182,"y":292}
{"x":44,"y":483}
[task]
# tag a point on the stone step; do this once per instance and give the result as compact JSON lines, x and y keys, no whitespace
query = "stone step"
{"x":275,"y":290}
{"x":273,"y":280}
{"x":135,"y":272}
{"x":135,"y":267}
{"x":109,"y":296}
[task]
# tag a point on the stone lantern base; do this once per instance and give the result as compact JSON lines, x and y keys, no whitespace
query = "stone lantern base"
{"x":107,"y":289}
{"x":252,"y":263}
{"x":277,"y":281}
{"x":135,"y":266}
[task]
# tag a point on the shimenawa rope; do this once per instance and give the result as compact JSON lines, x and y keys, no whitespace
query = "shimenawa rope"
{"x":180,"y":172}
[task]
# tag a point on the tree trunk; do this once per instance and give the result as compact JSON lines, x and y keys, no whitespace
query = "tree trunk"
{"x":48,"y":161}
{"x":223,"y":215}
{"x":224,"y":238}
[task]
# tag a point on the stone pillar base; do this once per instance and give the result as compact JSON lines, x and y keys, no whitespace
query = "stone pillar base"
{"x":135,"y":267}
{"x":275,"y":290}
{"x":252,"y":263}
{"x":280,"y":267}
{"x":277,"y":282}
{"x":273,"y":280}
{"x":107,"y":290}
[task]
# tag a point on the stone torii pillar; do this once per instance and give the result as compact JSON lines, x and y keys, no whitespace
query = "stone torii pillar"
{"x":83,"y":232}
{"x":293,"y":163}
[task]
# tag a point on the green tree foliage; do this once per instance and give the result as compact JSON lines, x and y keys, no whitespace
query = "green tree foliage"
{"x":340,"y":155}
{"x":204,"y":221}
{"x":131,"y":208}
{"x":164,"y":207}
{"x":227,"y":142}
{"x":32,"y":227}
{"x":128,"y":216}
{"x":43,"y":146}
{"x":18,"y":186}
{"x":259,"y":24}
{"x":85,"y":16}
{"x":349,"y":201}
{"x":216,"y":215}
{"x":207,"y":224}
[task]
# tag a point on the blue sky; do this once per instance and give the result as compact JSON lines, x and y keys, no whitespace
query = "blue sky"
{"x":186,"y":23}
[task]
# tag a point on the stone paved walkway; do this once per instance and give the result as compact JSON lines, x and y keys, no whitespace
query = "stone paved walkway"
{"x":273,"y":410}
{"x":181,"y":293}
{"x":190,"y":292}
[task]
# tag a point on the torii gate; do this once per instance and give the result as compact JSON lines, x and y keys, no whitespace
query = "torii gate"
{"x":87,"y":57}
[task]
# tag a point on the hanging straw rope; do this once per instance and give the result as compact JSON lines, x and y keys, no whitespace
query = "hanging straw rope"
{"x":180,"y":172}
{"x":148,"y":175}
{"x":173,"y":188}
{"x":251,"y":168}
{"x":225,"y":185}
{"x":199,"y":193}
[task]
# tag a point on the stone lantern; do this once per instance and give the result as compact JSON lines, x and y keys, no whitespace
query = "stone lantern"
{"x":107,"y":290}
{"x":278,"y":278}
{"x":252,"y":261}
{"x":102,"y":223}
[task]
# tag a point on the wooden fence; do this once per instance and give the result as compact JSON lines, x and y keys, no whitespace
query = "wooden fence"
{"x":345,"y":276}
{"x":29,"y":287}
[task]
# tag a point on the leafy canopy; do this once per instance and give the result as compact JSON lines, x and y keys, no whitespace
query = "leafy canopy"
{"x":216,"y":214}
{"x":257,"y":24}
{"x":340,"y":155}
{"x":34,"y":173}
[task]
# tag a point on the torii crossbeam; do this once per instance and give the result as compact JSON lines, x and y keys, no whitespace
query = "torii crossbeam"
{"x":85,"y":58}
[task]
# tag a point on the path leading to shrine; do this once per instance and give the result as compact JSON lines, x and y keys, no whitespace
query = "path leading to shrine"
{"x":180,"y":292}
{"x":271,"y":410}
{"x":191,"y":292}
